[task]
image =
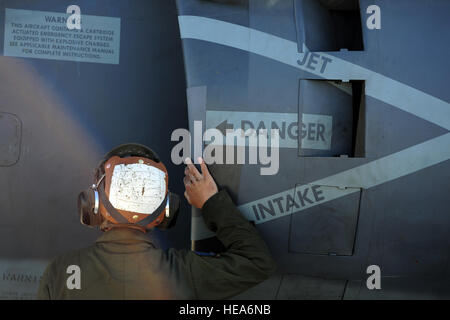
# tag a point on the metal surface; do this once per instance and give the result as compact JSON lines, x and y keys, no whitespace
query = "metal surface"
{"x":391,"y":207}
{"x":10,"y":133}
{"x":376,"y":193}
{"x":72,"y":113}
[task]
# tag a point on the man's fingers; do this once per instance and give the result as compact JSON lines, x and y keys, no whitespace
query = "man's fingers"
{"x":186,"y":181}
{"x":205,"y":171}
{"x":193,"y":179}
{"x":192,"y":169}
{"x":194,"y":172}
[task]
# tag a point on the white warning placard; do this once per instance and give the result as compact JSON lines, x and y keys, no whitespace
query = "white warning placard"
{"x":19,"y":279}
{"x":45,"y":35}
{"x":137,"y":188}
{"x":315,"y":131}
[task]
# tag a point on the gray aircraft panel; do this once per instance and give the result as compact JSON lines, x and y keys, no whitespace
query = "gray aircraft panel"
{"x":327,"y":229}
{"x":390,"y":129}
{"x":409,"y":47}
{"x":294,"y":287}
{"x":266,"y":290}
{"x":401,"y":133}
{"x":245,"y":62}
{"x":71,"y":113}
{"x":414,"y":240}
{"x":398,"y":288}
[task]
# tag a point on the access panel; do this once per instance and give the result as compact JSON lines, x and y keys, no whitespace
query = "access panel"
{"x":328,"y":228}
{"x":10,"y":133}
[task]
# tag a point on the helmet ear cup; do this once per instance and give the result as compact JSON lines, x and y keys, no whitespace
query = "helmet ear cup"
{"x":174,"y":209}
{"x":86,"y":201}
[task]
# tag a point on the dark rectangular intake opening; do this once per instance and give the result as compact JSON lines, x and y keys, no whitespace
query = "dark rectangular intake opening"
{"x":331,"y":118}
{"x":329,"y":25}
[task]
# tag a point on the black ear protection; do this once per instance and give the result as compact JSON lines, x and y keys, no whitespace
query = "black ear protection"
{"x":94,"y":188}
{"x":89,"y":200}
{"x":86,"y":209}
{"x":89,"y":205}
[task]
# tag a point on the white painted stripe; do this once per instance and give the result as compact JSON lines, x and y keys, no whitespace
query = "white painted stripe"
{"x":393,"y":166}
{"x":245,"y":120}
{"x":378,"y":86}
{"x":326,"y":194}
{"x":371,"y":174}
{"x":286,"y":122}
{"x":390,"y":91}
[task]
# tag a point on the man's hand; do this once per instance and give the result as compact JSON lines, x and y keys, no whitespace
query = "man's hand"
{"x":199,"y":186}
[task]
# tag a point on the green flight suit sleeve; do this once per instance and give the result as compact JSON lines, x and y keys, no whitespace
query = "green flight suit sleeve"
{"x":245,"y":263}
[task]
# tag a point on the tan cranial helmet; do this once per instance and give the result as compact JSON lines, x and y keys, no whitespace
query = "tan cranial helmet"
{"x":130,"y":189}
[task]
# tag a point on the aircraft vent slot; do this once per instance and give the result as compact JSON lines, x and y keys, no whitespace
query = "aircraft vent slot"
{"x":331,"y":118}
{"x":329,"y":25}
{"x":229,"y":2}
